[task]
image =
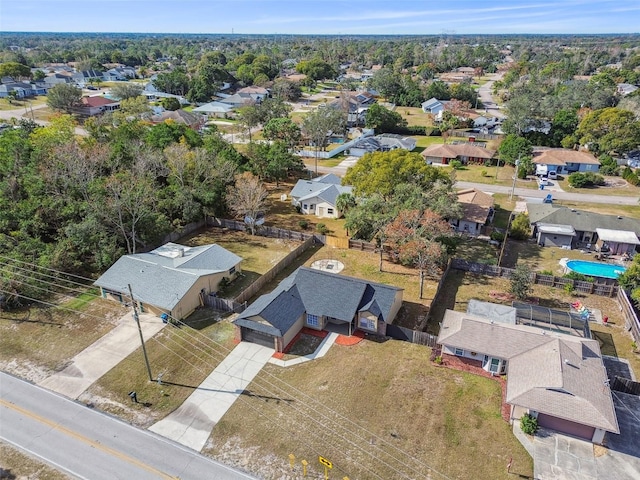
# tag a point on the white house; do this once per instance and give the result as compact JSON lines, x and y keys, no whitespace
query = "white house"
{"x":318,"y":196}
{"x":432,"y":106}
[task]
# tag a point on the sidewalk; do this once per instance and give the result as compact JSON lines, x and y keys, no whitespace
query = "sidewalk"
{"x":100,"y":357}
{"x":192,"y":422}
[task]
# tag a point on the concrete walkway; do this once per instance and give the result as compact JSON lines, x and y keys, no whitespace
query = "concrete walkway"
{"x":191,"y":423}
{"x":320,"y":352}
{"x":100,"y":357}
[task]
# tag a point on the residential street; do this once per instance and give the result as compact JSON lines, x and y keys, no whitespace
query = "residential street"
{"x":87,"y":444}
{"x":484,"y":93}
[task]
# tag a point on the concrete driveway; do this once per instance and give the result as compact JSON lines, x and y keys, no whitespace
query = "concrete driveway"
{"x":101,"y":356}
{"x":192,"y":422}
{"x":560,"y":457}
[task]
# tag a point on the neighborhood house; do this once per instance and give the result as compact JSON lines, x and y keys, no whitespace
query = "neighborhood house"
{"x":318,"y":196}
{"x":477,"y":211}
{"x":464,"y":152}
{"x":562,"y":160}
{"x":172,"y":279}
{"x":313,"y":298}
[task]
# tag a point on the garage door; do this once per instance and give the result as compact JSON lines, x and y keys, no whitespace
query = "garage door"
{"x":260,"y":338}
{"x":565,"y":426}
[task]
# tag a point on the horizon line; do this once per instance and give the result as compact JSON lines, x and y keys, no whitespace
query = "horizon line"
{"x":4,"y":32}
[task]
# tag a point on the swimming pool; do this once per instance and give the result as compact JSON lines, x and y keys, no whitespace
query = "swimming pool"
{"x":595,"y":269}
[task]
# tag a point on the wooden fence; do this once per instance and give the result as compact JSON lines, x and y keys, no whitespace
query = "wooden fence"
{"x":337,"y":242}
{"x":255,"y":287}
{"x":631,"y":321}
{"x":265,"y":231}
{"x":413,"y":336}
{"x":479,"y":136}
{"x":224,"y":304}
{"x":600,"y":289}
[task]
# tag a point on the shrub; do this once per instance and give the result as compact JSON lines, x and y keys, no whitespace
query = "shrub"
{"x":547,"y":272}
{"x":497,"y":236}
{"x":322,"y":229}
{"x":456,"y":164}
{"x":303,"y":224}
{"x":529,"y":424}
{"x":568,"y":288}
{"x":579,"y":276}
{"x":483,"y":172}
{"x":521,"y":281}
{"x":586,"y":179}
{"x":520,"y":229}
{"x":439,"y":360}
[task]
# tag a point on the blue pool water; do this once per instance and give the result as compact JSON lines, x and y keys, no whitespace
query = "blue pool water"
{"x":595,"y":269}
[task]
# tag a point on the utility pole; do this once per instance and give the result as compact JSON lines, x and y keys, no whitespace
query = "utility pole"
{"x":515,"y":176}
{"x":137,"y":319}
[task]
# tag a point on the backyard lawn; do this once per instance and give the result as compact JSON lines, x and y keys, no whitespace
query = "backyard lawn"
{"x":374,"y":409}
{"x":539,"y":258}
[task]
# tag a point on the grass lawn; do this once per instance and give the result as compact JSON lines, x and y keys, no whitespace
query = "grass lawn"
{"x":478,"y":251}
{"x":259,"y":254}
{"x":484,"y":174}
{"x":415,"y":116}
{"x":539,"y":258}
{"x":374,"y":410}
{"x":16,"y":465}
{"x":38,"y":340}
{"x":22,"y":103}
{"x":184,"y":356}
{"x":615,"y":186}
{"x":503,"y":208}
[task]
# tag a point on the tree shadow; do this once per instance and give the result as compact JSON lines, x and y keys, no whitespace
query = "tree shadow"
{"x":27,"y":318}
{"x":247,"y":393}
{"x":6,"y":474}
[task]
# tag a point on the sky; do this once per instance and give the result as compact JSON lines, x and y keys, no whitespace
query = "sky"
{"x":357,"y":17}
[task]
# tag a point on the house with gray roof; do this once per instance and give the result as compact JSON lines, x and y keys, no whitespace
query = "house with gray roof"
{"x":558,"y":378}
{"x":384,"y":142}
{"x":313,"y":299}
{"x":172,"y":279}
{"x":552,"y":225}
{"x":318,"y":196}
{"x":432,"y":106}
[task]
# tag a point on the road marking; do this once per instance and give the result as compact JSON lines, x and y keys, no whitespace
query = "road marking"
{"x":84,"y":439}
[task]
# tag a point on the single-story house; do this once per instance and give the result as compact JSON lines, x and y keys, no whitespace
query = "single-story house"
{"x":619,"y":242}
{"x":558,"y":378}
{"x":581,"y":226}
{"x":356,"y":104}
{"x":432,"y":106}
{"x":97,"y":105}
{"x":172,"y":279}
{"x":382,"y":143}
{"x":55,"y":78}
{"x":318,"y":196}
{"x":625,"y":88}
{"x":215,"y":109}
{"x":563,"y":160}
{"x":464,"y":152}
{"x":477,"y":211}
{"x":191,"y":120}
{"x":23,"y":89}
{"x":313,"y":298}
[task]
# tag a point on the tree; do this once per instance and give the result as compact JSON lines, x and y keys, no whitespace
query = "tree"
{"x":382,"y":172}
{"x":513,"y":148}
{"x":608,"y":165}
{"x":175,"y":82}
{"x":64,"y":97}
{"x":609,"y":130}
{"x":247,"y":199}
{"x":286,"y":90}
{"x":15,"y":70}
{"x":345,"y":202}
{"x":283,"y":129}
{"x":438,"y":89}
{"x":125,"y":90}
{"x":39,"y":75}
{"x":316,"y":69}
{"x":564,"y":124}
{"x":133,"y":107}
{"x":520,"y":228}
{"x":250,"y":117}
{"x":521,"y":281}
{"x":170,"y":103}
{"x":383,"y":120}
{"x":416,"y":238}
{"x":318,"y":124}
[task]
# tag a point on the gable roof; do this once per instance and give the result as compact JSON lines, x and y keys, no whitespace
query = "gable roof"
{"x":564,"y":379}
{"x":214,"y":107}
{"x":476,"y":205}
{"x":553,"y":373}
{"x":305,"y":189}
{"x":98,"y":101}
{"x":431,"y":103}
{"x":164,"y":275}
{"x":580,"y":220}
{"x":562,"y":156}
{"x":455,"y":151}
{"x":317,"y":293}
{"x":178,"y":116}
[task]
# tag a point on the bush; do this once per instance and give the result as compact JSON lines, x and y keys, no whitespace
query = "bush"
{"x":322,"y":229}
{"x":497,"y":236}
{"x":520,"y":229}
{"x":585,"y":179}
{"x":529,"y":424}
{"x":630,"y":176}
{"x":303,"y":224}
{"x":568,"y":288}
{"x":483,"y":172}
{"x":456,"y":164}
{"x":579,"y":276}
{"x":547,"y":272}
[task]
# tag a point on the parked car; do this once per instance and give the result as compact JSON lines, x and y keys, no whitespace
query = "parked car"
{"x":553,"y":175}
{"x":91,"y":87}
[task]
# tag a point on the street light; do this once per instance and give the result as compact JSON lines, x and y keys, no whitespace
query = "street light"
{"x":515,"y":175}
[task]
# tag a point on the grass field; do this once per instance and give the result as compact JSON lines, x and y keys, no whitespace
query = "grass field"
{"x":617,"y":186}
{"x":374,"y":409}
{"x":539,"y":258}
{"x":16,"y":465}
{"x":23,"y":104}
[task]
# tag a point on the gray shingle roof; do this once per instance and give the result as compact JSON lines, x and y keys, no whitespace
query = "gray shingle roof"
{"x":162,"y":277}
{"x":328,"y":192}
{"x":538,"y":376}
{"x":317,"y":293}
{"x":580,"y":220}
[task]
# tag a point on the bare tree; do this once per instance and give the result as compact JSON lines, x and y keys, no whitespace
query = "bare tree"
{"x":247,"y":199}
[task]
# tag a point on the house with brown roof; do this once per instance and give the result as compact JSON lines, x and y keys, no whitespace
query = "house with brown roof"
{"x":477,"y":211}
{"x":564,"y":160}
{"x":96,"y":105}
{"x":558,"y":378}
{"x":464,"y":152}
{"x":191,"y":120}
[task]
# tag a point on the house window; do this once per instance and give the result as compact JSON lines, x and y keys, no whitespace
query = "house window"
{"x":313,"y":320}
{"x":367,"y":323}
{"x":232,"y":270}
{"x":495,"y":364}
{"x":459,"y":352}
{"x":304,"y":206}
{"x":313,"y":207}
{"x":330,"y":211}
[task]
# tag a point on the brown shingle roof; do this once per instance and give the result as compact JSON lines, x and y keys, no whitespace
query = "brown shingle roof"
{"x":459,"y":150}
{"x":475,"y":204}
{"x":98,"y":101}
{"x":562,"y":156}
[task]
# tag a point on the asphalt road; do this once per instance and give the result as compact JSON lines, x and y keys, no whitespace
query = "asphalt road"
{"x":90,"y":445}
{"x":486,"y":97}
